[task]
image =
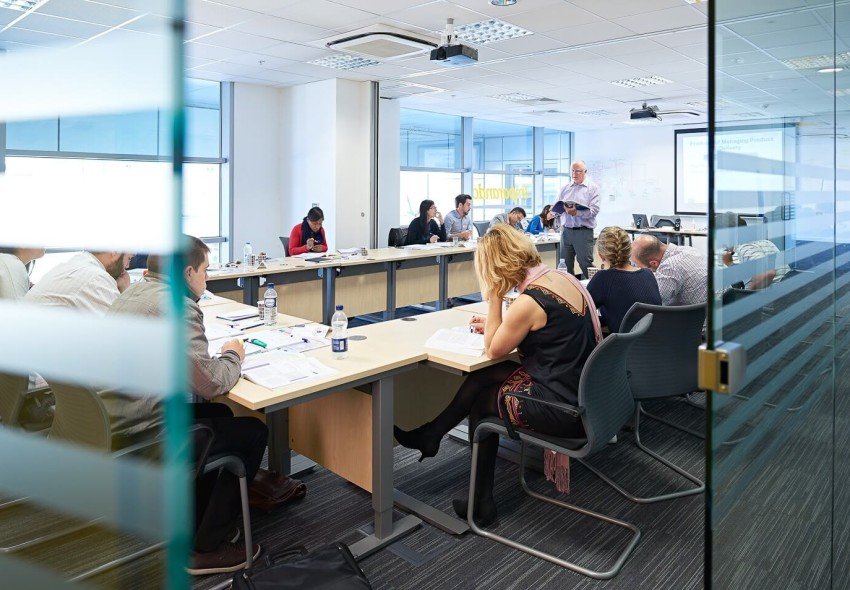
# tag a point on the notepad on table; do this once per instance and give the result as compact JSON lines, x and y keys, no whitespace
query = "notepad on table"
{"x":458,"y":340}
{"x":280,"y":369}
{"x":242,"y":314}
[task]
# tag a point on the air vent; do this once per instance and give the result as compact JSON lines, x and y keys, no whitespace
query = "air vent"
{"x":526,"y":99}
{"x":381,"y":42}
{"x":599,"y":113}
{"x":399,"y":89}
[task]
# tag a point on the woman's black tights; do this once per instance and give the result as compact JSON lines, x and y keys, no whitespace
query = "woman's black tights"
{"x":477,"y":399}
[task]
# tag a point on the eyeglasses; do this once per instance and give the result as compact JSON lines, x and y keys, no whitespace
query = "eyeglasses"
{"x":579,"y":171}
{"x":432,"y":207}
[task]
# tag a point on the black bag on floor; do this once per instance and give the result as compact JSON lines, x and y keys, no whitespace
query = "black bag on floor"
{"x":328,"y":568}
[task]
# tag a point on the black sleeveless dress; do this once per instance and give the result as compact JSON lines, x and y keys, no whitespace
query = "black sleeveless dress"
{"x":552,"y":359}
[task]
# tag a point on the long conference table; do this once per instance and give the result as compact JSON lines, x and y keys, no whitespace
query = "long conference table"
{"x":344,"y":421}
{"x":380,"y":282}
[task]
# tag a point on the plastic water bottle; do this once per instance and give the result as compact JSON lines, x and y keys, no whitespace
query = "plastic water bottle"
{"x":270,"y":305}
{"x":339,"y":336}
{"x":562,"y":265}
{"x":247,"y":252}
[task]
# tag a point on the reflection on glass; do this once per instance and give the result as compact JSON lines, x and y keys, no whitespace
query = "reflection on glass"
{"x":430,"y":140}
{"x":440,"y":187}
{"x":496,"y":193}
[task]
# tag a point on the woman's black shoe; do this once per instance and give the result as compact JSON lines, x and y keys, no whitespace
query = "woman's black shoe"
{"x":421,"y":439}
{"x":485,"y":510}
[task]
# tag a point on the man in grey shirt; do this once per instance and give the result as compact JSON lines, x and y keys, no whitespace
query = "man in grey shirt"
{"x":216,"y":494}
{"x":458,"y":223}
{"x":513,"y":218}
{"x":681,"y":271}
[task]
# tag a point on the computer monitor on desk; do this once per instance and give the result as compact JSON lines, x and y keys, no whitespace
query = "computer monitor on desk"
{"x":673,"y":221}
{"x":640,"y":220}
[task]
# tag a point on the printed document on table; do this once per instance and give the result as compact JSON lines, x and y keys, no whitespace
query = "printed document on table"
{"x":217,"y":331}
{"x":309,"y":255}
{"x":281,"y":369}
{"x":459,"y":340}
{"x":242,"y":314}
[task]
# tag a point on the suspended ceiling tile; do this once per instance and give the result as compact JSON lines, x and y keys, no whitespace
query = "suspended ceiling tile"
{"x":60,"y":26}
{"x":432,"y":15}
{"x":18,"y":35}
{"x":216,"y":15}
{"x":321,"y":13}
{"x":611,"y":9}
{"x":555,"y":16}
{"x":152,"y":24}
{"x":648,"y":59}
{"x":239,"y":40}
{"x":282,"y":29}
{"x":92,"y":12}
{"x":680,"y":38}
{"x":504,"y":12}
{"x":601,"y":31}
{"x":528,"y":44}
{"x":661,"y":20}
{"x":197,"y":30}
{"x":296,"y":52}
{"x":627,"y":47}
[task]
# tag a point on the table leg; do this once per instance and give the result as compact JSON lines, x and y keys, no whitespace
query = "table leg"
{"x":328,"y":294}
{"x":443,"y":263}
{"x":280,"y":459}
{"x":386,"y":531}
{"x":250,"y":290}
{"x":389,"y":313}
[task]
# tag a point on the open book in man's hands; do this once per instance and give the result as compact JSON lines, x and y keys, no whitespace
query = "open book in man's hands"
{"x":561,"y":206}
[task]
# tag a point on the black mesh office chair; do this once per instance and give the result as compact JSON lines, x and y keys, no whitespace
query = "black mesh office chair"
{"x":397,"y":236}
{"x":605,"y":404}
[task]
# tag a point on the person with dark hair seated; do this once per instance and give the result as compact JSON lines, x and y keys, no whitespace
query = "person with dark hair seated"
{"x":514,"y":218}
{"x":428,"y":227}
{"x":310,"y":235}
{"x":540,"y":223}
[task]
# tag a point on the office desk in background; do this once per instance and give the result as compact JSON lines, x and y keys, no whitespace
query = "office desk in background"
{"x":670,"y":233}
{"x":381,"y":282}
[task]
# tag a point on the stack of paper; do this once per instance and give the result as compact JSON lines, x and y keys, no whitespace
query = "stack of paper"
{"x":280,"y":369}
{"x":457,"y":340}
{"x":235,"y":316}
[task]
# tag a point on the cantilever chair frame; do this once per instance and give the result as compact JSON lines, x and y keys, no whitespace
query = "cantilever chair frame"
{"x":603,"y":411}
{"x":646,"y":387}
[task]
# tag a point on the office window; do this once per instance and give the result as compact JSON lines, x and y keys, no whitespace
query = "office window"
{"x":497,"y":193}
{"x":503,"y":146}
{"x":440,"y":187}
{"x":40,"y":135}
{"x":556,"y":152}
{"x":125,"y":133}
{"x":430,"y":140}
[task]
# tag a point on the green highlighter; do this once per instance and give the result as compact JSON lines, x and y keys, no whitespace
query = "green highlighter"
{"x":256,"y":342}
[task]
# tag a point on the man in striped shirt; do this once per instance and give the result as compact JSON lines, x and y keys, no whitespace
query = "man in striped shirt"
{"x":681,"y":271}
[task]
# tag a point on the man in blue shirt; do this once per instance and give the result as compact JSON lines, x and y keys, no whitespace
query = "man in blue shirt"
{"x":581,"y":205}
{"x":458,"y":222}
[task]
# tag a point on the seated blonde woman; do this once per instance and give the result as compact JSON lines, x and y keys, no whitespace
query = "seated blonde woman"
{"x":616,"y":288}
{"x":553,"y":324}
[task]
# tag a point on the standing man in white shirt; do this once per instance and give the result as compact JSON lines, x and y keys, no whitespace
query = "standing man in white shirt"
{"x":90,"y":281}
{"x":581,"y":205}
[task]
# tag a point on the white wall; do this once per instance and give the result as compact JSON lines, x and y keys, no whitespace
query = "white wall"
{"x":306,"y":164}
{"x":389,"y":165}
{"x":257,"y":207}
{"x":635,"y":170}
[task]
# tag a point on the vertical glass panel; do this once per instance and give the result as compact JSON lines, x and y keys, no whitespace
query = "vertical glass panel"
{"x":440,"y":187}
{"x":430,"y":140}
{"x":94,"y":445}
{"x":556,"y":151}
{"x":33,"y":135}
{"x":779,"y":259}
{"x":496,"y":193}
{"x":124,"y":133}
{"x":503,"y":146}
{"x":203,"y":120}
{"x":201,"y":202}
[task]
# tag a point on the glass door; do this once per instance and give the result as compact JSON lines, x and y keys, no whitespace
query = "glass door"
{"x":778,"y":211}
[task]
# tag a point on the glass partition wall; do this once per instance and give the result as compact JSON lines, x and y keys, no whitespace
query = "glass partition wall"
{"x":94,"y":451}
{"x":780,"y":247}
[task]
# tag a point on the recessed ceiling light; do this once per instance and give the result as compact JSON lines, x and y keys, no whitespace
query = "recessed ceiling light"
{"x":816,"y":62}
{"x":22,"y":5}
{"x":343,"y":61}
{"x":502,"y":2}
{"x":489,"y":31}
{"x":599,"y":113}
{"x":830,"y":70}
{"x":641,"y":82}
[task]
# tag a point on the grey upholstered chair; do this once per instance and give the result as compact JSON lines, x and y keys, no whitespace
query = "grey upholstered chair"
{"x":481,"y":227}
{"x":14,"y":395}
{"x":285,"y":241}
{"x":662,"y":364}
{"x":605,"y":404}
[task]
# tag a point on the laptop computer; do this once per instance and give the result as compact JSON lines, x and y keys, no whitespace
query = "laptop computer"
{"x":640,"y":220}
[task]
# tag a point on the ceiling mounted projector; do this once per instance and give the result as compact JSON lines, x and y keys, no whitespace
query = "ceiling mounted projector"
{"x":453,"y":54}
{"x":652,"y":112}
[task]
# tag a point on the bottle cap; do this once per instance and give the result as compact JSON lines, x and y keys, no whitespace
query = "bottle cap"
{"x":339,"y":308}
{"x":269,"y":285}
